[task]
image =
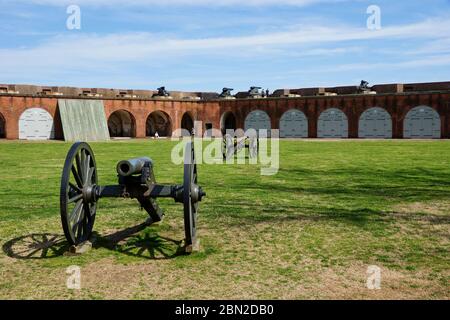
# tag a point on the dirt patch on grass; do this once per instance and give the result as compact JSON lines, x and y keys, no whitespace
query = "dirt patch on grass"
{"x":428,"y":209}
{"x":429,"y":219}
{"x":285,"y":260}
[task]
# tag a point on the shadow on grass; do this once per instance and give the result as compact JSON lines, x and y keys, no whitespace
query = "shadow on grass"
{"x":141,"y":242}
{"x":36,"y":246}
{"x":148,"y":245}
{"x":412,"y":184}
{"x":364,"y":218}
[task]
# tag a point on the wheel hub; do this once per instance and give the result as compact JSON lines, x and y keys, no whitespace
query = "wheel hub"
{"x":197,"y":193}
{"x":90,"y":194}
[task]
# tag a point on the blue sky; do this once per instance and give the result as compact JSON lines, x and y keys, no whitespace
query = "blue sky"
{"x":206,"y":45}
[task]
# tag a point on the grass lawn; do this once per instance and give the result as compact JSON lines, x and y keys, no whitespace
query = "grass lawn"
{"x":309,"y":232}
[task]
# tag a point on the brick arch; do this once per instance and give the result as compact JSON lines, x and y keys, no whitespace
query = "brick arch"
{"x":254,"y":112}
{"x":2,"y":126}
{"x":293,"y":123}
{"x":30,"y":119}
{"x":361,"y":110}
{"x":228,"y":120}
{"x":436,"y":131}
{"x":407,"y":109}
{"x":158,"y":121}
{"x":321,"y":125}
{"x":387,"y":126}
{"x":20,"y":105}
{"x":187,"y":121}
{"x":333,"y":107}
{"x":122,"y":123}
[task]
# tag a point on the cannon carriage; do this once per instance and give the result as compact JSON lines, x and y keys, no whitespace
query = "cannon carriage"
{"x":232,"y":145}
{"x":80,"y":192}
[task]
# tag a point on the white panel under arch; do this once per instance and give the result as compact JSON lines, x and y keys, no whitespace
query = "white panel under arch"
{"x":36,"y":124}
{"x":422,"y":122}
{"x":293,"y":124}
{"x":258,"y":120}
{"x":375,"y":123}
{"x":333,"y":123}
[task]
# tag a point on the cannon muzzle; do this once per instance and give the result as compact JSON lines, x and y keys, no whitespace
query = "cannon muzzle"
{"x":130,"y":167}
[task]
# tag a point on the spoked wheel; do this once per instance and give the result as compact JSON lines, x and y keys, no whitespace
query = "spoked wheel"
{"x":78,"y":203}
{"x":192,"y":194}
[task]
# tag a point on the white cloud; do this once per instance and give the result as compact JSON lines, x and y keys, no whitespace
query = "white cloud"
{"x":115,"y":53}
{"x":428,"y":61}
{"x":140,"y":46}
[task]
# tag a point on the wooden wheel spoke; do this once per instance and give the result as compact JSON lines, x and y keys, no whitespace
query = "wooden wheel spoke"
{"x":77,"y":189}
{"x":76,"y":212}
{"x":87,"y":167}
{"x":76,"y":227}
{"x":89,"y":176}
{"x":83,"y":164}
{"x":79,"y":166}
{"x":77,"y":177}
{"x":76,"y":198}
{"x":88,"y":212}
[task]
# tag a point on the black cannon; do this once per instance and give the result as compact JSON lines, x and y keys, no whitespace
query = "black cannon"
{"x":80,"y":192}
{"x":254,"y":92}
{"x":162,"y":92}
{"x":226,"y":93}
{"x":364,"y":87}
{"x":231,"y":146}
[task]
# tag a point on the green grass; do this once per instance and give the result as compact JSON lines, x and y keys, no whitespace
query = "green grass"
{"x":310,"y":231}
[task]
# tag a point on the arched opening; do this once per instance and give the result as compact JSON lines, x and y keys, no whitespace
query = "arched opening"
{"x":121,"y":123}
{"x":293,"y":124}
{"x":375,"y":123}
{"x":2,"y":127}
{"x":36,"y":124}
{"x":187,"y":123}
{"x":422,"y":122}
{"x":228,"y":122}
{"x":159,"y":121}
{"x":333,"y":123}
{"x":259,"y":121}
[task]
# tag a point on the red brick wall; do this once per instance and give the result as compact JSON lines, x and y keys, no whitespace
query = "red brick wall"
{"x":11,"y":107}
{"x":353,"y":106}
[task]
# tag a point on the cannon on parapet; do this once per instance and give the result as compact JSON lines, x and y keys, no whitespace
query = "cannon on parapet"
{"x":364,"y":86}
{"x":254,"y":92}
{"x":226,"y":93}
{"x":162,"y":92}
{"x":80,"y":192}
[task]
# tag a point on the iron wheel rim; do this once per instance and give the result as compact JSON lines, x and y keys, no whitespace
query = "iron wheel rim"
{"x":190,"y":206}
{"x":77,"y":213}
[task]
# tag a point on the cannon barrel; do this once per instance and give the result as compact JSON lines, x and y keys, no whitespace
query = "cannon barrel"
{"x":130,"y":167}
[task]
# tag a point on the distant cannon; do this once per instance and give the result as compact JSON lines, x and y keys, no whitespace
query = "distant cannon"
{"x":80,"y":192}
{"x":231,"y":146}
{"x":254,"y":92}
{"x":364,"y":86}
{"x":226,"y":93}
{"x":162,"y":92}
